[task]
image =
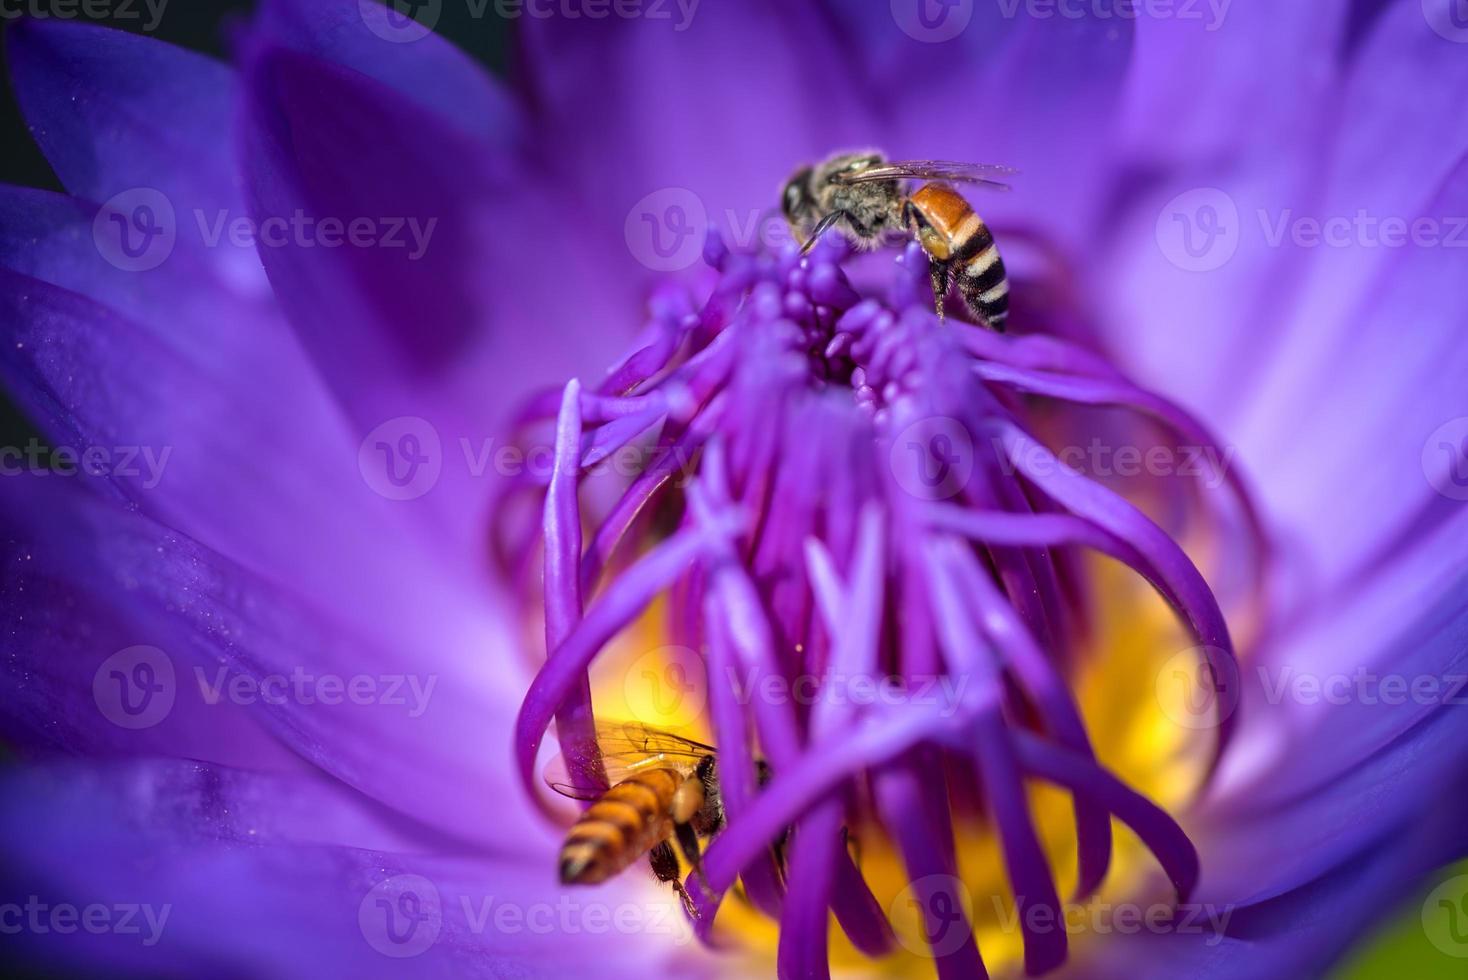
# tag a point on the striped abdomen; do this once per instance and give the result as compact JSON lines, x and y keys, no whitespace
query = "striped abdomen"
{"x":954,"y":234}
{"x":622,"y":826}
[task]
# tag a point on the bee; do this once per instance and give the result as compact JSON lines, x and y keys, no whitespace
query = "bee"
{"x":863,"y":194}
{"x":664,"y":789}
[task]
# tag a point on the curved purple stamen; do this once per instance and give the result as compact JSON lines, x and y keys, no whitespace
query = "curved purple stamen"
{"x":796,"y":537}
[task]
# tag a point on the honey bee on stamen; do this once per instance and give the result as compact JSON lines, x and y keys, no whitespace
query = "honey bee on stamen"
{"x":863,"y":195}
{"x":664,"y":789}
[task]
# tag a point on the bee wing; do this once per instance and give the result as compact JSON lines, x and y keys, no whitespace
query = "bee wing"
{"x":626,"y":747}
{"x":968,"y":173}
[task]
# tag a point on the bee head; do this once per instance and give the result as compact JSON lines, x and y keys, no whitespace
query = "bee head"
{"x":796,"y":201}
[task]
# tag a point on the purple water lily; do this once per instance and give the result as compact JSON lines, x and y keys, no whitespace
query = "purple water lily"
{"x":404,"y":425}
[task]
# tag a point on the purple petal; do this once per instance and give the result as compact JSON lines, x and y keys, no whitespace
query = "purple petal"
{"x":114,"y":110}
{"x":249,"y":874}
{"x":666,"y":106}
{"x":427,"y":69}
{"x":396,"y":706}
{"x":455,"y":312}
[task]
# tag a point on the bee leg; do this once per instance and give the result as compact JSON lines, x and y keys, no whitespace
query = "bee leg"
{"x":687,"y":840}
{"x":939,"y":273}
{"x":777,"y":850}
{"x":665,"y":867}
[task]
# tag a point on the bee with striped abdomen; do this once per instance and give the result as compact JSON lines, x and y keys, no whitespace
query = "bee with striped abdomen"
{"x":863,"y":195}
{"x":664,"y":788}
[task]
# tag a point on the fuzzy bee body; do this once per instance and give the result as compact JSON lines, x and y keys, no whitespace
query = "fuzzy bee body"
{"x":629,"y":820}
{"x":863,"y":195}
{"x":665,"y":790}
{"x":952,"y":233}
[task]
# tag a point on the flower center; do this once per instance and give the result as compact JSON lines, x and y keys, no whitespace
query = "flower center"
{"x":869,"y":577}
